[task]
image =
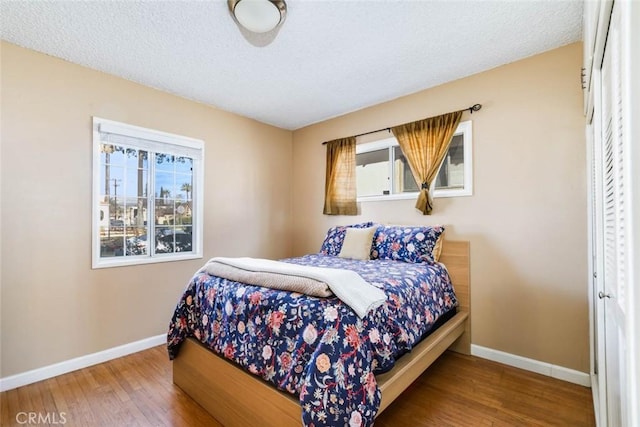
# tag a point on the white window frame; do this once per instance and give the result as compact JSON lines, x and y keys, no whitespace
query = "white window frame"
{"x":464,"y":128}
{"x":154,"y":141}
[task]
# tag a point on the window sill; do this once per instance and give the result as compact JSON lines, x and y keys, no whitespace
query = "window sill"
{"x":438,"y":194}
{"x":132,"y":260}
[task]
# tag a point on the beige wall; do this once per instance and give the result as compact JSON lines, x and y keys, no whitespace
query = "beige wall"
{"x":527,"y":218}
{"x":54,"y":306}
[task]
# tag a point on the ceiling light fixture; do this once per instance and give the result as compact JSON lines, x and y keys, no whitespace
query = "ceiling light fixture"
{"x":258,"y":16}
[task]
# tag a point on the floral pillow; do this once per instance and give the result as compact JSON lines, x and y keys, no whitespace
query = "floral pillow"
{"x":335,"y":238}
{"x":408,"y":244}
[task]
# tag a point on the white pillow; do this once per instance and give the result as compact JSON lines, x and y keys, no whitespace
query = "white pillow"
{"x":357,"y":243}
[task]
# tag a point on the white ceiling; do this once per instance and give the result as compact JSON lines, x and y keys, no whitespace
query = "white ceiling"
{"x":329,"y":58}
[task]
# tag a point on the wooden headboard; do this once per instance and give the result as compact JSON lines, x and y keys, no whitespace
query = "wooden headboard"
{"x":455,"y":255}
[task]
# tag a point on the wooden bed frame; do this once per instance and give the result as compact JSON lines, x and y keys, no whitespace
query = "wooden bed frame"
{"x":236,"y":398}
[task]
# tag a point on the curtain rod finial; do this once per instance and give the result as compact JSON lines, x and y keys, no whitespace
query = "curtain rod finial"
{"x":475,"y":107}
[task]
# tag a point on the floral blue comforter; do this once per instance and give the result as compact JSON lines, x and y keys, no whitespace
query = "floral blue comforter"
{"x":316,"y":348}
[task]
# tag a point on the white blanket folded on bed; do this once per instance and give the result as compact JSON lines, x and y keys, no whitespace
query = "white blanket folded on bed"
{"x":347,"y":285}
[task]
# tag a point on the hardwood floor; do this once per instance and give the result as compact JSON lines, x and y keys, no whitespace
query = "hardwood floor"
{"x":456,"y":390}
{"x":460,"y":390}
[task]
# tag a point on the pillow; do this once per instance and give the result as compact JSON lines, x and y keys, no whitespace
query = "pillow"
{"x":335,"y":236}
{"x":406,"y":243}
{"x":357,"y":243}
{"x":437,"y":249}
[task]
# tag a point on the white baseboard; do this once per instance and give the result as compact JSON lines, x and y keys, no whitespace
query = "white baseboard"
{"x":554,"y":371}
{"x":35,"y":375}
{"x":46,"y":372}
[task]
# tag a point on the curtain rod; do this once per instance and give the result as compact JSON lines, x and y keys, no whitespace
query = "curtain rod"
{"x":474,"y":107}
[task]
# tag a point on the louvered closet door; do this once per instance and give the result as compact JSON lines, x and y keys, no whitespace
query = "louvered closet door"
{"x":615,"y":226}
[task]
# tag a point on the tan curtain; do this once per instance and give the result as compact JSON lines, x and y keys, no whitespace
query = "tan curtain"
{"x":340,"y":179}
{"x":425,"y":144}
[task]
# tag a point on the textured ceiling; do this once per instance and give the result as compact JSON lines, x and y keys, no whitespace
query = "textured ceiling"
{"x":329,"y":58}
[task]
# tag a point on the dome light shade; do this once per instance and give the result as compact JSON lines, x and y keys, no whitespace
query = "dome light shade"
{"x":258,"y":16}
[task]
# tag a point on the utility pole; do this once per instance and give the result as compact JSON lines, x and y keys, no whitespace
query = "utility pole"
{"x":115,"y":203}
{"x":115,"y":193}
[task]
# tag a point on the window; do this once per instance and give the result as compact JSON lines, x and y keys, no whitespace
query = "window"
{"x":383,"y":173}
{"x":147,"y":195}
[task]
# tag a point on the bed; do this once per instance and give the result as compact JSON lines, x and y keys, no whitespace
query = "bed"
{"x":316,"y":376}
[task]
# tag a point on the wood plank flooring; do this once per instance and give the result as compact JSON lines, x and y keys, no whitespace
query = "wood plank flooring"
{"x":460,"y":390}
{"x":456,"y":390}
